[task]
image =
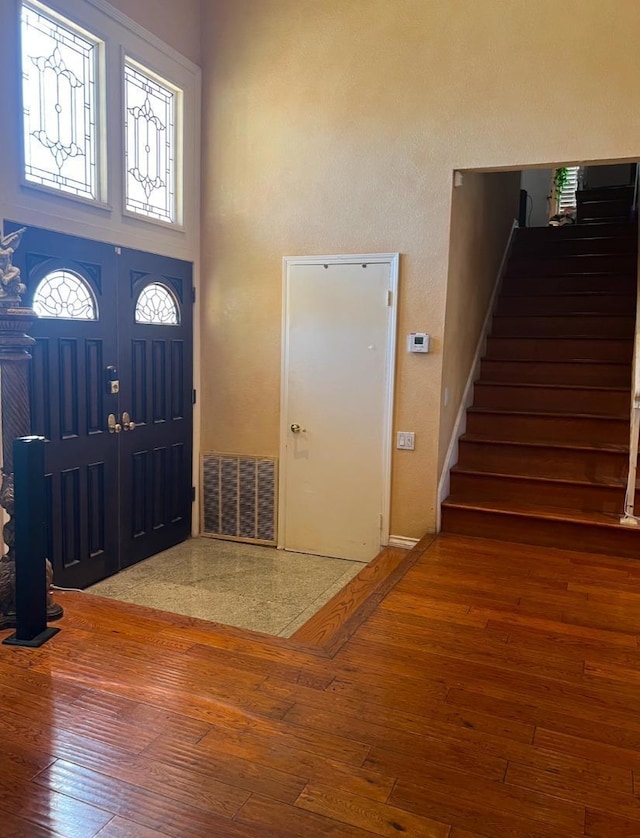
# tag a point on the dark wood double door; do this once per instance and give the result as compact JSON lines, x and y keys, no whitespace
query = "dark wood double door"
{"x":112,"y":392}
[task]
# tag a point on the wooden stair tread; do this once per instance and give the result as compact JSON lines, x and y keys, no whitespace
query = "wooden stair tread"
{"x":622,"y":189}
{"x":577,"y":231}
{"x":596,"y":219}
{"x":546,"y":413}
{"x":550,"y":513}
{"x":512,"y":290}
{"x":514,"y":278}
{"x":564,"y":315}
{"x":529,"y":257}
{"x":605,"y":234}
{"x":586,"y":361}
{"x":560,"y":337}
{"x":525,"y":478}
{"x":614,"y":273}
{"x":612,"y":449}
{"x":553,"y":386}
{"x":622,"y":199}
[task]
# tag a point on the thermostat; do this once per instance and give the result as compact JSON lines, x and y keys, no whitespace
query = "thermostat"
{"x":418,"y":342}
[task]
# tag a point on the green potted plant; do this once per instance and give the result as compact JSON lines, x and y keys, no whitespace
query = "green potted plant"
{"x":557,"y":218}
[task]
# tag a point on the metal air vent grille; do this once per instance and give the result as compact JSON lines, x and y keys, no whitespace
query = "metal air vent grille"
{"x":239,"y":497}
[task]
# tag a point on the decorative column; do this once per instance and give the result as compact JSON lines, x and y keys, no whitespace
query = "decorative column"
{"x":15,"y":345}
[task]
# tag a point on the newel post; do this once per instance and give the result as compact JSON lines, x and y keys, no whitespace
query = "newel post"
{"x":15,"y":344}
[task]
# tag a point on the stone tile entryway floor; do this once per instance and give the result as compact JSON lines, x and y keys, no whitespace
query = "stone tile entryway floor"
{"x":241,"y":585}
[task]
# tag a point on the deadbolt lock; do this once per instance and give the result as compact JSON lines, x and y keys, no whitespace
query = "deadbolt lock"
{"x":113,"y":383}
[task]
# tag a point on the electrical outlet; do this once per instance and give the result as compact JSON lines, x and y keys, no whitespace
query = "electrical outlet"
{"x":406,"y":440}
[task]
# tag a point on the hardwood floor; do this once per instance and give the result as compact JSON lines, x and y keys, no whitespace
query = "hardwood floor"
{"x":494,"y":691}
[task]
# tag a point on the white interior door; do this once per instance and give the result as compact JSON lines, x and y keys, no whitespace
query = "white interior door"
{"x":338,"y":360}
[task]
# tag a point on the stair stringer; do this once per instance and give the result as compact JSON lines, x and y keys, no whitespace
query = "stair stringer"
{"x":466,"y":401}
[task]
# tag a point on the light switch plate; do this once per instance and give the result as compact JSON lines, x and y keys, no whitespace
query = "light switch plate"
{"x":406,"y":440}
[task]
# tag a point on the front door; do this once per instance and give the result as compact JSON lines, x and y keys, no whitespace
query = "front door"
{"x":155,"y":336}
{"x":338,"y":373}
{"x":111,"y":391}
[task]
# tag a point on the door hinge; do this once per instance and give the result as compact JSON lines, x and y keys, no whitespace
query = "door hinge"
{"x":118,"y":251}
{"x":193,"y":494}
{"x":194,"y":396}
{"x":389,"y":297}
{"x":193,"y":294}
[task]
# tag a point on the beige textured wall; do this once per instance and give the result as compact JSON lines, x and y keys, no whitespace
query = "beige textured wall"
{"x":334,"y":126}
{"x":482,"y":213}
{"x":175,"y":23}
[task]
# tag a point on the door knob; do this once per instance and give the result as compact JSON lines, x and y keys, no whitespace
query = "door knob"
{"x":127,"y":423}
{"x":114,"y":427}
{"x":296,"y":428}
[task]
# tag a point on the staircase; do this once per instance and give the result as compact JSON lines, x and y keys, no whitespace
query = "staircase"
{"x":605,"y":205}
{"x":544,"y":459}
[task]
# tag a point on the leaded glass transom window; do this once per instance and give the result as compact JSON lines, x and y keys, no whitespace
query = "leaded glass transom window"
{"x":156,"y":305}
{"x":150,"y":144}
{"x":65,"y":295}
{"x":59,"y":65}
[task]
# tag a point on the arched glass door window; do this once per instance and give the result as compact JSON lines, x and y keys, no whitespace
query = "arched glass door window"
{"x":65,"y":295}
{"x":156,"y":305}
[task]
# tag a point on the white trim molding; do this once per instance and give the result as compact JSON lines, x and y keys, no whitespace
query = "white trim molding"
{"x":466,"y":401}
{"x":402,"y":541}
{"x":144,"y":34}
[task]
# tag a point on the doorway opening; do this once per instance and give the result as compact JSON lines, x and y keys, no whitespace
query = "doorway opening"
{"x":539,"y":449}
